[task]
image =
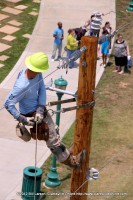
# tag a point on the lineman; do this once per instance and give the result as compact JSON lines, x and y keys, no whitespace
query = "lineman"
{"x":29,"y":91}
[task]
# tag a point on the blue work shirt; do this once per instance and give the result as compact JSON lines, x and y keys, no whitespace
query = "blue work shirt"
{"x":59,"y":33}
{"x":29,"y":93}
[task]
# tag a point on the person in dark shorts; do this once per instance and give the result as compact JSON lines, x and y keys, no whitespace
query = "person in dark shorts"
{"x":121,"y":51}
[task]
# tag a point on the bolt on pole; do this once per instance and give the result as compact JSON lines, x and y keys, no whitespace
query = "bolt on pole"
{"x":84,"y":116}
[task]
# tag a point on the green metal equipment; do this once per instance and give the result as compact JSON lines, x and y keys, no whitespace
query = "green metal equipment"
{"x":28,"y":183}
{"x":53,"y":177}
{"x":130,"y":7}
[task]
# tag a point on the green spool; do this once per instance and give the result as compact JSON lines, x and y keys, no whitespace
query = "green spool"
{"x":28,"y":183}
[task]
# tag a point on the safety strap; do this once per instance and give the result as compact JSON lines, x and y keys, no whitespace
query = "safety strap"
{"x":90,"y":104}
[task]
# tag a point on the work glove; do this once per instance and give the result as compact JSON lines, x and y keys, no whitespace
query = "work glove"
{"x":40,"y":114}
{"x":26,"y":120}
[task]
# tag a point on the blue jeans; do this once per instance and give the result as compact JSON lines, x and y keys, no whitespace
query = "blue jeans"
{"x":69,"y":53}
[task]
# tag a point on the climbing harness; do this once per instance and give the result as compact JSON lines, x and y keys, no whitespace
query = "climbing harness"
{"x":63,"y":110}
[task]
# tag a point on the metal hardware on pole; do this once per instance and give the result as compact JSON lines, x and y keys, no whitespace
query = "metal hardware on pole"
{"x":62,"y":91}
{"x":90,"y":104}
{"x":53,"y":103}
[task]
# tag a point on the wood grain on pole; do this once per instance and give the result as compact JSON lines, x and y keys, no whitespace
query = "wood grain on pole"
{"x":84,"y":117}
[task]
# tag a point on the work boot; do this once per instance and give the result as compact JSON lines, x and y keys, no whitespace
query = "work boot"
{"x":22,"y":132}
{"x":75,"y":161}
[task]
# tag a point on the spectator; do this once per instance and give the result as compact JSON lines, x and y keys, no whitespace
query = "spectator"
{"x":121,"y":51}
{"x":58,"y":37}
{"x":71,"y":45}
{"x":108,"y":28}
{"x":90,"y":31}
{"x":105,"y":48}
{"x":80,"y":32}
{"x":95,"y":24}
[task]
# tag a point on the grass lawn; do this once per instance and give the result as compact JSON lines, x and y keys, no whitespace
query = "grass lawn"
{"x":112,"y":130}
{"x":18,"y":45}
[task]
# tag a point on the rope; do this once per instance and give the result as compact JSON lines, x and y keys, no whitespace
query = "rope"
{"x":2,"y":108}
{"x":121,"y":27}
{"x":40,"y":81}
{"x":109,"y":12}
{"x":36,"y":144}
{"x":35,"y":164}
{"x":116,"y":156}
{"x":110,"y":161}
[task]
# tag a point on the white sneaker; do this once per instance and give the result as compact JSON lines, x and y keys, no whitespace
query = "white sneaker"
{"x":52,"y":59}
{"x":121,"y":72}
{"x":116,"y":70}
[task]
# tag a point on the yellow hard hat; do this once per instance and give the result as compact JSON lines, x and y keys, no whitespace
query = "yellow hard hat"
{"x":37,"y":62}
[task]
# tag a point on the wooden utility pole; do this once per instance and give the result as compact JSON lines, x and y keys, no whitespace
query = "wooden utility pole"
{"x":84,"y":116}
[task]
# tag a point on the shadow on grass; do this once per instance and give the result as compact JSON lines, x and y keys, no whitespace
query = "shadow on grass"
{"x":109,"y":64}
{"x":66,"y":177}
{"x":127,"y":71}
{"x":111,"y":55}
